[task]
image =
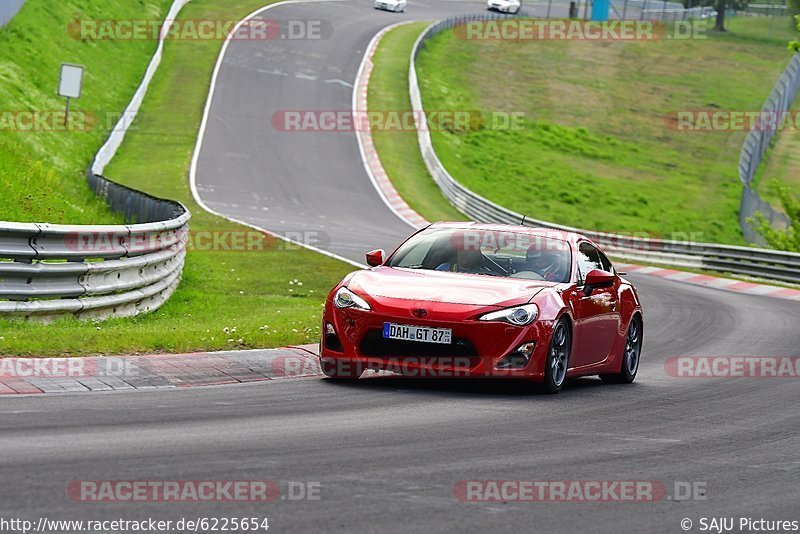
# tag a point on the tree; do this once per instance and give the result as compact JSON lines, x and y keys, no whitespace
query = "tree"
{"x":795,"y":45}
{"x":719,"y":25}
{"x":788,"y":239}
{"x":721,"y":5}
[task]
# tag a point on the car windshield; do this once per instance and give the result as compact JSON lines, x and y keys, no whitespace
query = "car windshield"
{"x":486,"y":252}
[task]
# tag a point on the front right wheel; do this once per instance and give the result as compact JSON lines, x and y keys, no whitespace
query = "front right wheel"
{"x":340,"y":370}
{"x":555,"y":368}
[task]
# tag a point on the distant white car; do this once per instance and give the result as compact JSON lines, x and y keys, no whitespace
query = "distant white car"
{"x":709,"y":13}
{"x":504,"y":6}
{"x":398,"y":6}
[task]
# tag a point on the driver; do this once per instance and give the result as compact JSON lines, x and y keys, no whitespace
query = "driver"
{"x":545,"y":263}
{"x":468,"y":259}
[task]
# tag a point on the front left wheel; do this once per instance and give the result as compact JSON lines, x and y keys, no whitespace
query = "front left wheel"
{"x":631,"y":356}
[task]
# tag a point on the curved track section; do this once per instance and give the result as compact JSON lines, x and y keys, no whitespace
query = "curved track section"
{"x":308,"y":186}
{"x":387,"y":451}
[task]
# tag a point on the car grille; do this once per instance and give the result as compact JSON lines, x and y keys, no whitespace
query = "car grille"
{"x":375,"y":346}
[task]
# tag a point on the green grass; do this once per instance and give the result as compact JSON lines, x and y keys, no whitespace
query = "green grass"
{"x":249,"y":291}
{"x":595,"y":150}
{"x":399,"y":150}
{"x":771,"y":30}
{"x":42,"y":174}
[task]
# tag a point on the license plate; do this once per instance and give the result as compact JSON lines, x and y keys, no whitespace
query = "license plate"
{"x":423,"y":334}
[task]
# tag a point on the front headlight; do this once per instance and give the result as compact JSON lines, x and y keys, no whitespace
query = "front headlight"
{"x":344,"y":298}
{"x":518,"y":315}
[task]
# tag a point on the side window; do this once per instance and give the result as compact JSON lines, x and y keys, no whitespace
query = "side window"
{"x":588,"y":259}
{"x":606,"y":263}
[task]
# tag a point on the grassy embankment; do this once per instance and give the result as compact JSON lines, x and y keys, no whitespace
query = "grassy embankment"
{"x":228,"y":299}
{"x":597,"y":149}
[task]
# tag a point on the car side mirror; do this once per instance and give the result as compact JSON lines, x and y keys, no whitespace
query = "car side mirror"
{"x":375,"y":257}
{"x":597,"y":278}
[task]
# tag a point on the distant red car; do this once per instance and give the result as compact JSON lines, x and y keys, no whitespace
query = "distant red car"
{"x":467,"y":299}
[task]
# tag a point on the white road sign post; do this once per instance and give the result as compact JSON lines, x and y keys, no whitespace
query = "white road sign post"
{"x":70,"y":83}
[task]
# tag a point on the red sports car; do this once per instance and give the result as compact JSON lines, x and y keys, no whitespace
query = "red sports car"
{"x":468,"y":299}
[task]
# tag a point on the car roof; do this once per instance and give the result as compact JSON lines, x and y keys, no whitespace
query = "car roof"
{"x":551,"y":233}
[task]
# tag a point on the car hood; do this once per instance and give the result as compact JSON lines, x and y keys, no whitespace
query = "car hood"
{"x":437,"y":286}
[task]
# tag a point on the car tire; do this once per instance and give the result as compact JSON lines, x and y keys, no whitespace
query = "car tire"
{"x":631,"y":355}
{"x":337,"y":373}
{"x":557,"y":361}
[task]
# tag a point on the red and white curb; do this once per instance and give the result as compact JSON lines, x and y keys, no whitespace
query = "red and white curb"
{"x":68,"y":375}
{"x":750,"y":288}
{"x":369,"y":154}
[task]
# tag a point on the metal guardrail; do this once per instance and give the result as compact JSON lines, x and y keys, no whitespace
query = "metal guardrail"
{"x":47,"y":271}
{"x":755,"y":262}
{"x":96,"y":272}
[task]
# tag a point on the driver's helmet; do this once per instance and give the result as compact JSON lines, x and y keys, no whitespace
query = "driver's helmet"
{"x":542,"y":259}
{"x":466,"y":248}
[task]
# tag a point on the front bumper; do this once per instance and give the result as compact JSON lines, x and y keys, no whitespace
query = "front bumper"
{"x":478,"y":348}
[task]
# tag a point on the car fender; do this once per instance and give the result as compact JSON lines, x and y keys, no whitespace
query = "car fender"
{"x":551,"y":305}
{"x":629,"y":304}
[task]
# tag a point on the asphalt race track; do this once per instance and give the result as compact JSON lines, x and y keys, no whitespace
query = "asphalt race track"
{"x":387,"y":452}
{"x":312,"y":184}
